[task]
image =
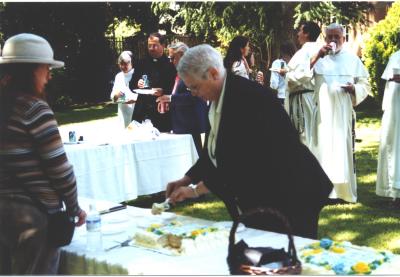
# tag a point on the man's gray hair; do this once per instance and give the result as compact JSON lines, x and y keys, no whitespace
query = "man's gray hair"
{"x":178,"y":47}
{"x":197,"y":60}
{"x":125,"y":57}
{"x":334,"y":26}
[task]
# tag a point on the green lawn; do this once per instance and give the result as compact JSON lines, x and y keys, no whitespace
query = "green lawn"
{"x":369,"y":222}
{"x":85,"y":113}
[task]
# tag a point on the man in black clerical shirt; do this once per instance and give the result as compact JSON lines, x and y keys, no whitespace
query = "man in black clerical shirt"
{"x":161,"y":75}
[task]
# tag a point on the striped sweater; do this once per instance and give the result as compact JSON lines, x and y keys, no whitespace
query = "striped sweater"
{"x":32,"y":155}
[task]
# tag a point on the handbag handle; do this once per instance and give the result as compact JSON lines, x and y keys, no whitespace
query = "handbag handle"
{"x":265,"y":211}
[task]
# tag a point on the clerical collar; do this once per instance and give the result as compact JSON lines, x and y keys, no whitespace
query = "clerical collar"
{"x":155,"y":60}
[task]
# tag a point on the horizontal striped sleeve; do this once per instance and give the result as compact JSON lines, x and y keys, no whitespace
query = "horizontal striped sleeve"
{"x":48,"y":144}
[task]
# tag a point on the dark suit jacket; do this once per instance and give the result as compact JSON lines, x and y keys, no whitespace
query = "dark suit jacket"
{"x":260,"y":159}
{"x":188,"y":112}
{"x":161,"y":73}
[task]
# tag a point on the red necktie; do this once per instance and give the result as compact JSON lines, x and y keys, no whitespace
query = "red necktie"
{"x":176,"y":84}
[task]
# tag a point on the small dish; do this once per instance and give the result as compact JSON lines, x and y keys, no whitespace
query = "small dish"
{"x":144,"y":91}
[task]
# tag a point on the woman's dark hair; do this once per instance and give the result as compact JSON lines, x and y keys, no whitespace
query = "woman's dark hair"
{"x":15,"y":78}
{"x":234,"y":54}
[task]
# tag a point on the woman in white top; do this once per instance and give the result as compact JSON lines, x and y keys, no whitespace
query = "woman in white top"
{"x":235,"y":60}
{"x":121,"y":92}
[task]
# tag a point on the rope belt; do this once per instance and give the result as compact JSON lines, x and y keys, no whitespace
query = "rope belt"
{"x":296,"y":112}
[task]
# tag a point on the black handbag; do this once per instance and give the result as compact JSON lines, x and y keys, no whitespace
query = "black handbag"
{"x":245,"y":260}
{"x":60,"y":228}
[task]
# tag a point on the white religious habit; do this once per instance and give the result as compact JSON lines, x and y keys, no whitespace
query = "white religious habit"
{"x":299,"y":100}
{"x":332,"y":141}
{"x":121,"y":84}
{"x":388,"y":177}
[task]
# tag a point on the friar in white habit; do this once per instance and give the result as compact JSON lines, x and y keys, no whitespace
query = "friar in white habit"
{"x":388,"y":177}
{"x":299,"y":102}
{"x":341,"y":82}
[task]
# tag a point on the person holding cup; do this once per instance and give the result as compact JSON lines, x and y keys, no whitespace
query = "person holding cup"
{"x":160,"y":75}
{"x":188,"y":112}
{"x":341,"y":82}
{"x":388,"y":173}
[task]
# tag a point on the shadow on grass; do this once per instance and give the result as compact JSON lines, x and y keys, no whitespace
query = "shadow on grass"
{"x":371,"y":221}
{"x":84,"y":113}
{"x":207,"y":206}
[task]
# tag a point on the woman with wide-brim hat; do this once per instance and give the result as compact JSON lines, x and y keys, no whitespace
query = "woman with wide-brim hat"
{"x":36,"y":178}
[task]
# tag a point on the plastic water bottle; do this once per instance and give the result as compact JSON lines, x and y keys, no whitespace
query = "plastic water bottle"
{"x":93,"y":230}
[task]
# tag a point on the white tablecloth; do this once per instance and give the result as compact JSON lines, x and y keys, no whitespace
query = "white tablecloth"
{"x":123,"y":170}
{"x":132,"y":260}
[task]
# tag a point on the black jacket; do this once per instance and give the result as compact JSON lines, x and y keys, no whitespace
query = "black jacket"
{"x":260,"y":159}
{"x":161,"y":74}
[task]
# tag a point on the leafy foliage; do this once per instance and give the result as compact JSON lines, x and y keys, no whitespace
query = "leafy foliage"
{"x":346,"y":12}
{"x":383,"y":41}
{"x":76,"y":32}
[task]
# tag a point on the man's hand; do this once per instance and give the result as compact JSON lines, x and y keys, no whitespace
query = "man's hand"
{"x":282,"y":72}
{"x":321,"y":53}
{"x":117,"y":96}
{"x":349,"y":88}
{"x":164,"y":99}
{"x":171,"y":186}
{"x":324,"y":50}
{"x":158,"y":92}
{"x":182,"y":193}
{"x":140,"y":83}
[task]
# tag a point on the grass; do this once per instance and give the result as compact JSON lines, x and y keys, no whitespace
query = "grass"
{"x":84,"y":113}
{"x":369,"y":222}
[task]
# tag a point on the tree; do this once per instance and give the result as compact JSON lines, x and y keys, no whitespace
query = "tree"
{"x":383,"y":41}
{"x":76,"y":32}
{"x":348,"y":13}
{"x":267,"y":24}
{"x":217,"y":23}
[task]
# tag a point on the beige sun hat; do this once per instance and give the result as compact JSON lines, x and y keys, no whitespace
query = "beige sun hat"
{"x":28,"y":48}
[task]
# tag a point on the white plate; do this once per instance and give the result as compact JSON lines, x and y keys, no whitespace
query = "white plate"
{"x":274,"y":69}
{"x":144,"y":91}
{"x":228,"y":225}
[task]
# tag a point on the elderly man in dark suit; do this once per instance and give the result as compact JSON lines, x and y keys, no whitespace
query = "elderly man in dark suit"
{"x":188,"y":112}
{"x":253,"y":157}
